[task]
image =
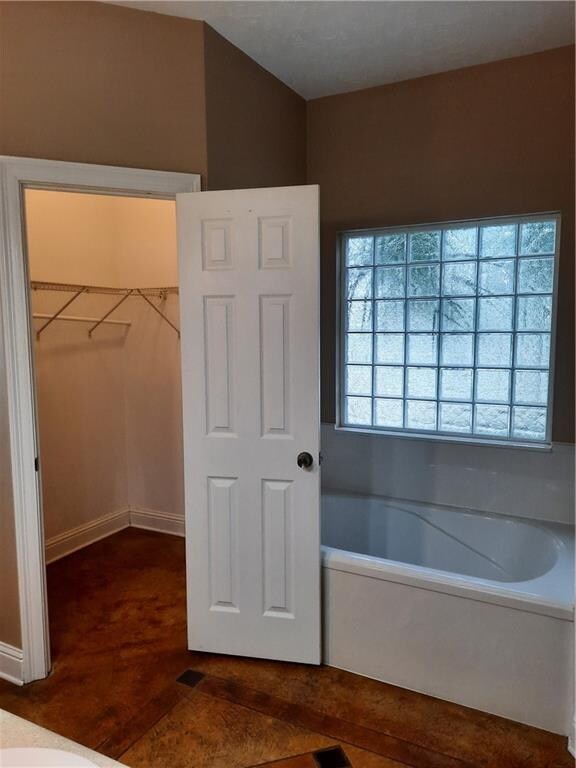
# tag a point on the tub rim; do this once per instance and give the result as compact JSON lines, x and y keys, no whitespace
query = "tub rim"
{"x":421,"y":577}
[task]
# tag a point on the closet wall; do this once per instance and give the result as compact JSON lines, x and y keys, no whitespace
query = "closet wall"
{"x":109,"y":407}
{"x":153,"y":411}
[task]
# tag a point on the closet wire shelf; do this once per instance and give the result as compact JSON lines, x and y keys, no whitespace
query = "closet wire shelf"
{"x":147,"y":294}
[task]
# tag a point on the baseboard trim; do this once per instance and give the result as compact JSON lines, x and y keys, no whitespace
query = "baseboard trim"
{"x":83,"y":535}
{"x":153,"y":520}
{"x":139,"y":517}
{"x":11,"y":664}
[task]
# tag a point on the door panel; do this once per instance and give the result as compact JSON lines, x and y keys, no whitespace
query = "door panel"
{"x":249,"y":298}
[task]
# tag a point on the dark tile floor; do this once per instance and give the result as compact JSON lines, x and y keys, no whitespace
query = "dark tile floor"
{"x":118,"y":629}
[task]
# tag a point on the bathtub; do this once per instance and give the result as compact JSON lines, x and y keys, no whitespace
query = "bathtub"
{"x":466,"y":606}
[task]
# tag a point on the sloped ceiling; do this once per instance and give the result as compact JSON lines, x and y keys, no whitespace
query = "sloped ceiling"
{"x":322,"y":48}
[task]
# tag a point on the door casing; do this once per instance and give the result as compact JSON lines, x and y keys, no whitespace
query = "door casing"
{"x":17,"y":174}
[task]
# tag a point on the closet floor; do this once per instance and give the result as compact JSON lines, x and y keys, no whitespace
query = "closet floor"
{"x":120,"y":684}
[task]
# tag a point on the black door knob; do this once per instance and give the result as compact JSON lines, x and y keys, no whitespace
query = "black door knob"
{"x":304,"y":460}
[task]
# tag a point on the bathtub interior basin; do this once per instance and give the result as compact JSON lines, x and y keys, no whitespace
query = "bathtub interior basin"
{"x":468,"y":543}
{"x":501,"y":554}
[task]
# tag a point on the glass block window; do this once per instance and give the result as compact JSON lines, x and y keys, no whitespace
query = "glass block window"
{"x":447,"y":329}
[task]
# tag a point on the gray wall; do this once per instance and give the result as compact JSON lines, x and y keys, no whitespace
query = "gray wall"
{"x":522,"y":482}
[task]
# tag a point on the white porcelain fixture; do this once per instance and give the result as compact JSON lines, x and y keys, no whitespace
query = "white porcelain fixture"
{"x":26,"y":745}
{"x":465,"y":606}
{"x":40,"y":757}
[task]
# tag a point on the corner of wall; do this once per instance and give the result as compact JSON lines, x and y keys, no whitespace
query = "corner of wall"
{"x":268,"y":144}
{"x":204,"y":30}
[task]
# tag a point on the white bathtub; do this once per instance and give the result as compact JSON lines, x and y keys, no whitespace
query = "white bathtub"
{"x":470,"y":607}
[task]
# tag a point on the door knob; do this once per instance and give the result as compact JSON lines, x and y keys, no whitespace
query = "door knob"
{"x":304,"y":460}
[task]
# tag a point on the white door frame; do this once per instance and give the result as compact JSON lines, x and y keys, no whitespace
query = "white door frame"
{"x":16,"y":174}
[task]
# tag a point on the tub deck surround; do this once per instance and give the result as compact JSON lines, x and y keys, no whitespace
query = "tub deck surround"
{"x":521,"y":482}
{"x":118,"y":640}
{"x":473,"y":608}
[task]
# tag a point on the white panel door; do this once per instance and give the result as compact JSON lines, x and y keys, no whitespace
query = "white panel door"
{"x":249,"y":303}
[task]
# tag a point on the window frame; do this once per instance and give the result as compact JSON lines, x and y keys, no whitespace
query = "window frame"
{"x":436,"y":435}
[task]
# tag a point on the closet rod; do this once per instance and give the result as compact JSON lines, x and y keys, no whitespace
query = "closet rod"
{"x":79,"y":319}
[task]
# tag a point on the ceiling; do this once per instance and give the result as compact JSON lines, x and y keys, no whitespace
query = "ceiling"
{"x":324,"y":47}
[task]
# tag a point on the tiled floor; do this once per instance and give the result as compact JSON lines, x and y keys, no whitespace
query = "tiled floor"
{"x":118,"y":624}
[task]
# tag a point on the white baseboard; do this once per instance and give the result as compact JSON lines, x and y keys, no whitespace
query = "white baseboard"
{"x":70,"y":541}
{"x":139,"y":517}
{"x":11,"y":664}
{"x":153,"y":520}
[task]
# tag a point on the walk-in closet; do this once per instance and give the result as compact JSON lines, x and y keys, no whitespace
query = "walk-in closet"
{"x":104,"y":301}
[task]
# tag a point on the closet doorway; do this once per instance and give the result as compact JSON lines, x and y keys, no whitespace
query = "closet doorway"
{"x":103,"y":279}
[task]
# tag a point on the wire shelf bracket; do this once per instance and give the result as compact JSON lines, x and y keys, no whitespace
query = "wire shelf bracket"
{"x":147,"y":294}
{"x":59,"y":312}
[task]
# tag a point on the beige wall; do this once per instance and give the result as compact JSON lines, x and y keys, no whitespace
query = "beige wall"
{"x":101,"y":240}
{"x":59,"y":249}
{"x":154,"y":411}
{"x":484,"y":141}
{"x":80,"y":387}
{"x":145,"y":242}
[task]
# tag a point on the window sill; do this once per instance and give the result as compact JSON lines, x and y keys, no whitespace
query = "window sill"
{"x":544,"y":447}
